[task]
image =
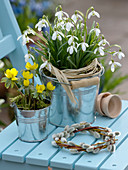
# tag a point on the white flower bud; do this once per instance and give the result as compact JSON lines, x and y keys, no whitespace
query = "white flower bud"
{"x":56,"y":138}
{"x":62,"y":134}
{"x":71,"y":129}
{"x":85,"y":146}
{"x":75,"y":125}
{"x":96,"y":135}
{"x":90,"y":149}
{"x":54,"y":144}
{"x":109,"y":148}
{"x":74,"y":151}
{"x":107,"y":138}
{"x":71,"y":143}
{"x":66,"y":128}
{"x":109,"y":130}
{"x":96,"y":150}
{"x":63,"y":139}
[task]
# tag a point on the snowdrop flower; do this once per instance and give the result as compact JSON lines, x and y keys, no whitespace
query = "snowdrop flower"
{"x":58,"y":35}
{"x":103,"y":42}
{"x":45,"y":64}
{"x":113,"y":65}
{"x":60,"y":24}
{"x":42,"y":23}
{"x":96,"y":30}
{"x":120,"y":54}
{"x":93,"y":13}
{"x":71,"y":39}
{"x":100,"y":50}
{"x":28,"y":56}
{"x":29,"y":31}
{"x":75,"y":17}
{"x":69,"y":25}
{"x":60,"y":14}
{"x":72,"y":48}
{"x":25,"y":39}
{"x":2,"y":101}
{"x":1,"y":64}
{"x":80,"y":25}
{"x":83,"y":45}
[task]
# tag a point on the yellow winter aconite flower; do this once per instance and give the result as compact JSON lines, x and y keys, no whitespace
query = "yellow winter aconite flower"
{"x":11,"y":74}
{"x":50,"y":86}
{"x":26,"y":82}
{"x":31,"y":67}
{"x":40,"y":88}
{"x":27,"y":75}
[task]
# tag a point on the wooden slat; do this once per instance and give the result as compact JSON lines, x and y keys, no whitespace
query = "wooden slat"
{"x":43,"y":152}
{"x":7,"y":137}
{"x":92,"y":161}
{"x":18,"y":150}
{"x":7,"y":45}
{"x":115,"y":161}
{"x":64,"y":159}
{"x":6,"y":165}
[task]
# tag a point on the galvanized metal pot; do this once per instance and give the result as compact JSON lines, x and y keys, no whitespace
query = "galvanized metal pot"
{"x":63,"y":112}
{"x":32,"y":124}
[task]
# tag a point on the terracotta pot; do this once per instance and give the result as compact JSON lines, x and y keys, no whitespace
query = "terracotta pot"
{"x":111,"y":105}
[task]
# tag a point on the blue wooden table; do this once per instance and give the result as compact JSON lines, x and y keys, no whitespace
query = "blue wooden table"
{"x":17,"y":155}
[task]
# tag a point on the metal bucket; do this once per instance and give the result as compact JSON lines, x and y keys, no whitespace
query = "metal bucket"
{"x":32,"y":124}
{"x":63,"y":112}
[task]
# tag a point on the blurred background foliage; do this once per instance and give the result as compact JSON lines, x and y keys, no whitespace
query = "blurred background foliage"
{"x":28,"y":12}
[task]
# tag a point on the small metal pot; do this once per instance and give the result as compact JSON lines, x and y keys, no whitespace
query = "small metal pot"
{"x":32,"y":124}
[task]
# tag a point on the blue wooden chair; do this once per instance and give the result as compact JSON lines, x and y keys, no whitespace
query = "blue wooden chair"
{"x":9,"y":32}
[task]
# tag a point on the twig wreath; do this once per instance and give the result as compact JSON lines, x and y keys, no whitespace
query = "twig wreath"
{"x":109,"y":140}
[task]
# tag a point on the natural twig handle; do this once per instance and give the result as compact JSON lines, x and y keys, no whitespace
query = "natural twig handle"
{"x":85,"y":82}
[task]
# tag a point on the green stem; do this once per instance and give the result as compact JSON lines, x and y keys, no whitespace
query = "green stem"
{"x":17,"y":90}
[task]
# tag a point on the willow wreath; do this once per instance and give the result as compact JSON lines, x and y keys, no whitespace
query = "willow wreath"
{"x":109,"y":140}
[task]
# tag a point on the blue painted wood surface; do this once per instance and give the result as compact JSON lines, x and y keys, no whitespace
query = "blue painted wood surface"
{"x":38,"y":156}
{"x":8,"y":25}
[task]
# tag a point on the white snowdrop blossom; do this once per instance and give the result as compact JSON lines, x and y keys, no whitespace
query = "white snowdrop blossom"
{"x":60,"y":24}
{"x":93,"y":13}
{"x":71,"y":39}
{"x":2,"y":101}
{"x":103,"y":42}
{"x":45,"y":64}
{"x":69,"y":25}
{"x":42,"y":23}
{"x":75,"y":17}
{"x":100,"y":50}
{"x":60,"y":14}
{"x":113,"y":65}
{"x":83,"y":45}
{"x":28,"y":56}
{"x":80,"y":25}
{"x":1,"y":64}
{"x":120,"y":54}
{"x":96,"y":30}
{"x":25,"y":39}
{"x":29,"y":31}
{"x":72,"y":48}
{"x":58,"y":35}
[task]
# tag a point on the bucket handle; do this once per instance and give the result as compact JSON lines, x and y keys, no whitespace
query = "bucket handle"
{"x":85,"y":82}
